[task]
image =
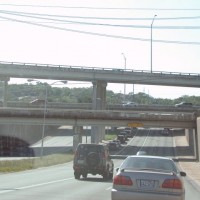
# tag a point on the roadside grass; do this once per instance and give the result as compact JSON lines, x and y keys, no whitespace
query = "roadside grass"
{"x":110,"y":136}
{"x":45,"y":161}
{"x":33,"y":163}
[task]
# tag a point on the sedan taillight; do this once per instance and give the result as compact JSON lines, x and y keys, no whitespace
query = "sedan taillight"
{"x":122,"y":180}
{"x":172,"y":183}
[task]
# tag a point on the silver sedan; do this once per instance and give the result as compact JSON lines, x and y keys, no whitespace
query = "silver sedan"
{"x":149,"y":178}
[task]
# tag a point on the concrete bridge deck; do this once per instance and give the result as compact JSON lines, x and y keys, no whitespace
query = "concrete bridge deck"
{"x":96,"y":118}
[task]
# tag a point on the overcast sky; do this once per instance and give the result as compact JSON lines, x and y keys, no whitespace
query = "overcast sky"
{"x":95,"y":33}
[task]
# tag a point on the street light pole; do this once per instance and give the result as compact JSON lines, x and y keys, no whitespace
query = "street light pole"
{"x":125,"y":70}
{"x":44,"y":123}
{"x":151,"y":39}
{"x":44,"y":116}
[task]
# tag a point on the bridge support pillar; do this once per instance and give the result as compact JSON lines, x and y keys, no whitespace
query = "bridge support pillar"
{"x":78,"y":132}
{"x":198,"y":138}
{"x":99,"y":103}
{"x":5,"y":89}
{"x":191,"y":139}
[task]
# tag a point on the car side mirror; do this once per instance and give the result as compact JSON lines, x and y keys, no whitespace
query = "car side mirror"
{"x":117,"y":169}
{"x":182,"y":173}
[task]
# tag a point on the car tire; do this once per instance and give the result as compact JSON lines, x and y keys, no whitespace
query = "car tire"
{"x":77,"y":175}
{"x":84,"y":175}
{"x":106,"y":174}
{"x":111,"y":175}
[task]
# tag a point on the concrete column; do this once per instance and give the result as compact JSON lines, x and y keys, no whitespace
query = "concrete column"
{"x":5,"y":90}
{"x":191,"y":139}
{"x":187,"y":135}
{"x":99,"y":103}
{"x":5,"y":94}
{"x":198,"y":138}
{"x":94,"y":96}
{"x":103,"y":104}
{"x":78,"y":132}
{"x":194,"y":135}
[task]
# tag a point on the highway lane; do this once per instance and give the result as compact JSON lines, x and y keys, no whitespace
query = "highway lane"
{"x":58,"y":182}
{"x":154,"y":143}
{"x":53,"y":183}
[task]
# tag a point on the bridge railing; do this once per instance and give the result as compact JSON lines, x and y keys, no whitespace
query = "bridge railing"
{"x":84,"y":68}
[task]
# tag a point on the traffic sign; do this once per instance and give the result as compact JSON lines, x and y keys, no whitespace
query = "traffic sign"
{"x":135,"y":124}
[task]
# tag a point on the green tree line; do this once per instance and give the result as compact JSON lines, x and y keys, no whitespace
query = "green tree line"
{"x":28,"y":92}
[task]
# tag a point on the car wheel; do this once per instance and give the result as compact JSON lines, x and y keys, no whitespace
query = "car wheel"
{"x":84,"y":175}
{"x":77,"y":175}
{"x":93,"y":159}
{"x":111,"y":175}
{"x":106,"y":174}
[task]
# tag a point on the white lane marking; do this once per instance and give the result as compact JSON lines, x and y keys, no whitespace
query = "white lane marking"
{"x":118,"y":153}
{"x":41,"y":184}
{"x":6,"y":191}
{"x":35,"y":185}
{"x":109,"y":188}
{"x":145,"y":140}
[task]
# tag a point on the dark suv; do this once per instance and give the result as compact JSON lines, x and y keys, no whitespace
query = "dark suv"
{"x":93,"y":159}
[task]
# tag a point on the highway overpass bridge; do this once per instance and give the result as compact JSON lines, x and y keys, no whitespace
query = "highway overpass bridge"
{"x":88,"y":106}
{"x":92,"y":74}
{"x":77,"y":117}
{"x":19,"y":118}
{"x":99,"y":78}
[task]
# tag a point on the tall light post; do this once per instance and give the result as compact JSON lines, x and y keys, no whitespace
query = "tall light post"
{"x":125,"y":70}
{"x":45,"y":108}
{"x":151,"y":39}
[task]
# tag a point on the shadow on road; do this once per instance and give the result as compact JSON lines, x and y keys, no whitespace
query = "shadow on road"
{"x":95,"y":179}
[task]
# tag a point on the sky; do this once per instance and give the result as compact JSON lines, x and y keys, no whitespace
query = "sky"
{"x":105,"y":34}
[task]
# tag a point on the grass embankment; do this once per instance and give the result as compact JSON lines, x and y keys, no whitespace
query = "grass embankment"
{"x":110,"y":136}
{"x":33,"y":163}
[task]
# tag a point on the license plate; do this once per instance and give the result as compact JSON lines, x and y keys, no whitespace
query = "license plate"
{"x":148,"y":184}
{"x":80,"y":161}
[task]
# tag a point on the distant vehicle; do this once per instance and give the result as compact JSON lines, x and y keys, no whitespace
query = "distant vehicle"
{"x":121,"y":138}
{"x":125,"y":134}
{"x":183,"y":104}
{"x":93,"y":159}
{"x":130,"y":131}
{"x":112,"y":146}
{"x":140,"y":153}
{"x":165,"y":131}
{"x":129,"y":104}
{"x":38,"y":102}
{"x":148,"y":177}
{"x":118,"y":143}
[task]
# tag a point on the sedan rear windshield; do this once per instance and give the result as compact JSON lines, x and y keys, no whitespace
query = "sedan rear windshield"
{"x":148,"y":163}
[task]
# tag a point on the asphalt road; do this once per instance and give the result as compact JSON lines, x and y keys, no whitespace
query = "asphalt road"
{"x":58,"y":183}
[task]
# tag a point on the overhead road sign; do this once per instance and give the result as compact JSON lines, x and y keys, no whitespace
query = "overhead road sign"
{"x":135,"y":124}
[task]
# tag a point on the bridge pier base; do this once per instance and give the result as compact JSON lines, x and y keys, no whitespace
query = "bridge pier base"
{"x":5,"y":89}
{"x":198,"y":138}
{"x":78,"y":132}
{"x":190,"y":135}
